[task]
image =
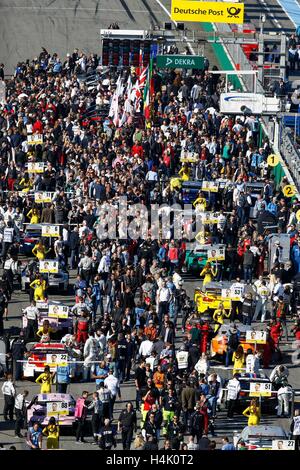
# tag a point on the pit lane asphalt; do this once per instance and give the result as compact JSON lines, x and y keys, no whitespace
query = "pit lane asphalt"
{"x":67,"y":441}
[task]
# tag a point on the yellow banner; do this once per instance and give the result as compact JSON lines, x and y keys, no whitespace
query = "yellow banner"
{"x":207,"y":12}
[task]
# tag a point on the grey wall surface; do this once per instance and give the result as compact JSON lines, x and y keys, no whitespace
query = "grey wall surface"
{"x":62,"y":25}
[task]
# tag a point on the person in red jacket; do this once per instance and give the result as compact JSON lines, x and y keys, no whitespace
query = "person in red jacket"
{"x":137,"y":149}
{"x":37,"y":127}
{"x":82,"y":327}
{"x":276,"y":333}
{"x":204,"y":328}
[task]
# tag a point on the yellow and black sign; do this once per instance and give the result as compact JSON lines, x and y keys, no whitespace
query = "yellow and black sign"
{"x":289,"y":190}
{"x":273,"y":160}
{"x":214,"y":12}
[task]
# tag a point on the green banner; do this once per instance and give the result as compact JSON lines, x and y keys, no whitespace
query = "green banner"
{"x":180,"y":62}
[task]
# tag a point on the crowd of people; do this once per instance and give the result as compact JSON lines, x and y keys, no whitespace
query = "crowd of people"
{"x":131,"y":304}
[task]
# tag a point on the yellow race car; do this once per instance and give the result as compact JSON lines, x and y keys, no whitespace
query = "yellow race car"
{"x":209,"y":296}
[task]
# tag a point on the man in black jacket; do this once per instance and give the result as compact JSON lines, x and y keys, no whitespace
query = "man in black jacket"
{"x":175,"y":432}
{"x":127,"y":424}
{"x":74,"y":247}
{"x":107,"y":436}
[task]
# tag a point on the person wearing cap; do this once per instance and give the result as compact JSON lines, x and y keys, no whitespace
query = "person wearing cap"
{"x":150,"y":331}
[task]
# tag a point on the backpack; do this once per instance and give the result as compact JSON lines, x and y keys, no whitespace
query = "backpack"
{"x":233,"y":341}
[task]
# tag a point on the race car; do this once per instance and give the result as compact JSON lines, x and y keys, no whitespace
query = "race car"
{"x":59,"y":281}
{"x":209,"y":296}
{"x":29,"y":238}
{"x":59,"y":405}
{"x":267,"y":403}
{"x":219,"y":342}
{"x":61,"y":325}
{"x":38,"y":355}
{"x":259,"y":437}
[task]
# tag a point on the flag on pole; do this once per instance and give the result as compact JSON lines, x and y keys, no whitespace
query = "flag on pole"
{"x":148,"y":90}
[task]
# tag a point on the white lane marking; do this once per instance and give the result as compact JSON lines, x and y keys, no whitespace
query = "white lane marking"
{"x":175,"y":23}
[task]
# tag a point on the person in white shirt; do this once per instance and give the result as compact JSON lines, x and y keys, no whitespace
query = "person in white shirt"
{"x":252,"y":362}
{"x":284,"y":395}
{"x":263,"y":296}
{"x":32,"y":314}
{"x":202,"y":365}
{"x":20,"y":412}
{"x":113,"y":385}
{"x":9,"y":392}
{"x":146,"y":347}
{"x":233,"y":388}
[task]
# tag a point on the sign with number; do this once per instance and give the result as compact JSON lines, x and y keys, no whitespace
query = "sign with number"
{"x":55,"y":408}
{"x":259,"y":389}
{"x":210,"y":186}
{"x":283,"y":445}
{"x":35,"y":139}
{"x":36,"y":167}
{"x":216,"y":253}
{"x":289,"y":190}
{"x":54,"y":360}
{"x":209,"y":218}
{"x":40,"y":198}
{"x":48,"y":266}
{"x":298,"y":215}
{"x":50,"y":231}
{"x":258,"y":337}
{"x":233,"y":293}
{"x":273,"y":160}
{"x":188,"y":157}
{"x":58,"y":311}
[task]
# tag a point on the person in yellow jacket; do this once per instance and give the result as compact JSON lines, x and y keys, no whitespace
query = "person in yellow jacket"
{"x":40,"y":251}
{"x":52,"y":433}
{"x":219,"y":315}
{"x":184,"y":172}
{"x":45,"y":379}
{"x":39,"y":286}
{"x":238,"y":359}
{"x":200,"y":203}
{"x":44,"y":332}
{"x":34,"y":215}
{"x":209,"y":273}
{"x":253,"y":413}
{"x":26,"y":184}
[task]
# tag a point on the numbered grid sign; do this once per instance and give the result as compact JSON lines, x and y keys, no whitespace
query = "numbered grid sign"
{"x":58,"y":311}
{"x":259,"y":389}
{"x":210,"y":186}
{"x":289,"y":190}
{"x":50,"y":231}
{"x":283,"y":445}
{"x":216,"y":253}
{"x":36,"y":167}
{"x":234,"y":293}
{"x":258,"y":337}
{"x":35,"y":139}
{"x":42,"y":197}
{"x":55,"y":408}
{"x":54,"y":360}
{"x":273,"y":160}
{"x":49,"y":266}
{"x":209,"y":218}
